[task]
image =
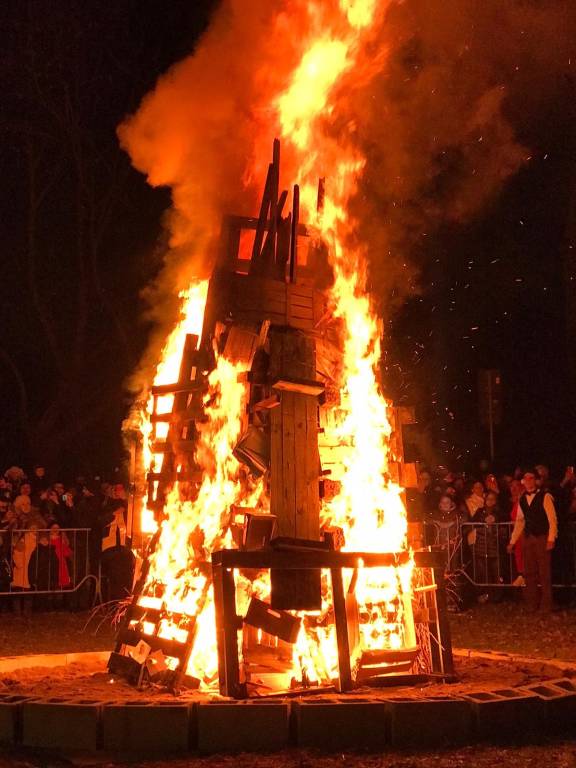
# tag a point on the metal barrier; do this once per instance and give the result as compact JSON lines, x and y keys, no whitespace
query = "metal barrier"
{"x":477,"y":551}
{"x":45,"y":561}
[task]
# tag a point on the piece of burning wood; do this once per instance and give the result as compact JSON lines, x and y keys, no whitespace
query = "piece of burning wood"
{"x":388,"y":656}
{"x":302,"y":386}
{"x":258,"y":530}
{"x":269,"y":402}
{"x":276,"y":622}
{"x":366,"y":673}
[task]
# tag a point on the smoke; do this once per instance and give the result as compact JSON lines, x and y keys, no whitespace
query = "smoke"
{"x":438,"y":119}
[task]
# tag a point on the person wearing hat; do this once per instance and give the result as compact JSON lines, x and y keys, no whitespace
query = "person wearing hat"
{"x":536,"y":522}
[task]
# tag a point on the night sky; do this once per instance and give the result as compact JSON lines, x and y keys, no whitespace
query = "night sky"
{"x":82,"y":235}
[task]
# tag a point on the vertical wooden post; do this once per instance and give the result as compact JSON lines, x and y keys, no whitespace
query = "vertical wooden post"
{"x":295,"y":463}
{"x":341,"y":623}
{"x":294,"y":237}
{"x":226,"y":630}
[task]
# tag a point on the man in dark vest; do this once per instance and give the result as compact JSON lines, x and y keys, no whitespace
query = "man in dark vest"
{"x":536,"y":519}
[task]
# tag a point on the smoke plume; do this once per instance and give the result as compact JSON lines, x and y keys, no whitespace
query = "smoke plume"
{"x":438,"y":120}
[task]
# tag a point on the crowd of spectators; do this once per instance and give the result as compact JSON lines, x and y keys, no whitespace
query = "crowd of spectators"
{"x":59,"y":542}
{"x":516,"y":528}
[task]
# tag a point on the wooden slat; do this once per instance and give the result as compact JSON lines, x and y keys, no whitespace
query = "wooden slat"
{"x":305,"y":524}
{"x":299,"y":386}
{"x":313,"y":558}
{"x":286,"y":522}
{"x":168,"y":647}
{"x":312,"y":463}
{"x":170,"y":389}
{"x":341,"y":624}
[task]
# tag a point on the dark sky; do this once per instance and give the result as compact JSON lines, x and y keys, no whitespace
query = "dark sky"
{"x":82,"y":235}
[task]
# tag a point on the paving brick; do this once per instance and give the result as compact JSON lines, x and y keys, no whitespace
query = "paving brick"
{"x":61,"y":724}
{"x":11,"y":718}
{"x":559,"y":700}
{"x":145,"y":727}
{"x":507,"y":714}
{"x":341,"y":724}
{"x":430,"y":722}
{"x":242,"y":726}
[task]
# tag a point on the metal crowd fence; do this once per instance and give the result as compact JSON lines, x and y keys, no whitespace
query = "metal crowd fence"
{"x":45,"y":561}
{"x":477,"y":552}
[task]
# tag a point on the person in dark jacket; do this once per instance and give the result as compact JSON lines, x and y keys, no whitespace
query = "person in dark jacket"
{"x":116,"y":554}
{"x":43,"y":566}
{"x":536,"y":522}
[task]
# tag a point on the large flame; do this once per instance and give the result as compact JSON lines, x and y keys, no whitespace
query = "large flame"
{"x":368,"y":506}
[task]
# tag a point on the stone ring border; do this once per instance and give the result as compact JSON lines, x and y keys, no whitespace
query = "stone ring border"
{"x":528,"y":714}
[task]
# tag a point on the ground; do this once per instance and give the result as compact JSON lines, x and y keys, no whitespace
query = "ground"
{"x":57,"y":632}
{"x":508,"y":627}
{"x":496,"y":627}
{"x":549,"y":756}
{"x":501,"y":627}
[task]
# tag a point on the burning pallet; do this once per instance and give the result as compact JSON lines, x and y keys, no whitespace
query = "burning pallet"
{"x":266,"y":316}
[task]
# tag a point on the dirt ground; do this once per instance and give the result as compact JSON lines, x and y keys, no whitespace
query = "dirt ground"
{"x":547,"y":756}
{"x":90,"y":680}
{"x":504,"y":627}
{"x":508,"y":627}
{"x":497,"y":627}
{"x":54,"y":632}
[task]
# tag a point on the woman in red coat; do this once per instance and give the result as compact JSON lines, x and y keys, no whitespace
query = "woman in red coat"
{"x":59,"y":541}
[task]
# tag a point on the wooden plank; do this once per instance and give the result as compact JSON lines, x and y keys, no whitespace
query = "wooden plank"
{"x":294,"y":232}
{"x":272,"y":620}
{"x":341,"y":624}
{"x":171,"y":648}
{"x":313,"y":558}
{"x":241,"y":344}
{"x":303,"y":526}
{"x":169,"y":389}
{"x":194,"y":413}
{"x":262,"y":220}
{"x":268,"y":402}
{"x":298,"y":386}
{"x":287,"y":520}
{"x":226,"y":630}
{"x":304,"y":313}
{"x":312,"y":462}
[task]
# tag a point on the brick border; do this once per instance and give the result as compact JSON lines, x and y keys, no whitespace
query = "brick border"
{"x":544,"y":710}
{"x":541,"y":711}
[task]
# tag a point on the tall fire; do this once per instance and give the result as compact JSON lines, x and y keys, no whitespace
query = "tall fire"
{"x":279,"y":556}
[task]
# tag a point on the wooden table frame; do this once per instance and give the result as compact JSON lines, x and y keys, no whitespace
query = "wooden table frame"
{"x":225,"y":562}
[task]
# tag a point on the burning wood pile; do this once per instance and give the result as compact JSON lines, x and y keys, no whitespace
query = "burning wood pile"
{"x":279,"y":560}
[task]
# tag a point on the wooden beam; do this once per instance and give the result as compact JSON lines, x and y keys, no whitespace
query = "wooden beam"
{"x":301,"y":386}
{"x":226,"y":630}
{"x":231,"y":558}
{"x":294,"y":232}
{"x":341,"y":624}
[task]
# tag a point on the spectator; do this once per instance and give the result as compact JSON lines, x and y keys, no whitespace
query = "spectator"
{"x":536,"y":522}
{"x":23,"y":502}
{"x":5,"y":489}
{"x":23,"y":546}
{"x":474,"y":500}
{"x":485,"y":549}
{"x":117,"y":558}
{"x":43,"y":566}
{"x":61,"y":546}
{"x":39,"y":484}
{"x":516,"y":490}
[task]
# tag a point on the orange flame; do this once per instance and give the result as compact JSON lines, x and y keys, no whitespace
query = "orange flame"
{"x":369,"y":506}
